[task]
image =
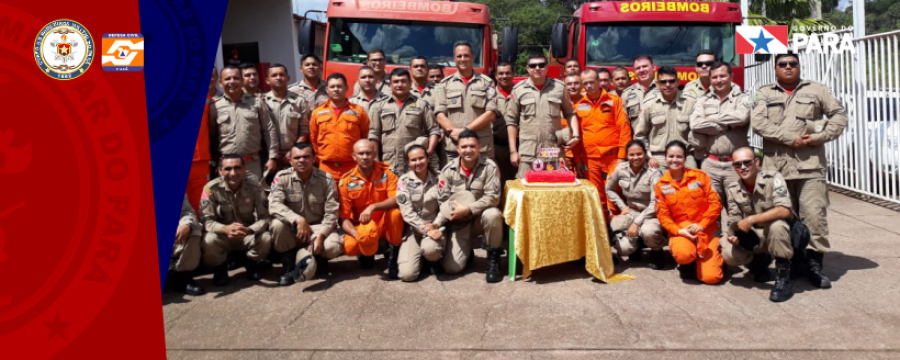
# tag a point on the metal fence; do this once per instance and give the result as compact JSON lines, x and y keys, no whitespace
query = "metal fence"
{"x":866,"y":158}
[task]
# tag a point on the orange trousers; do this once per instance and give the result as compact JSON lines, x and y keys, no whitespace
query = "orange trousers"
{"x":709,"y":263}
{"x":387,"y":224}
{"x":597,"y":171}
{"x":197,"y":179}
{"x":337,"y":169}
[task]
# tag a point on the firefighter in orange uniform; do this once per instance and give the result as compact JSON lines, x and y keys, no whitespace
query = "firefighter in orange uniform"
{"x":199,"y":175}
{"x":369,"y":210}
{"x":606,"y":132}
{"x":688,"y":208}
{"x":335,"y":126}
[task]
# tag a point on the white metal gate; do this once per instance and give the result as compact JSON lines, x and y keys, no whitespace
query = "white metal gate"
{"x":866,"y":158}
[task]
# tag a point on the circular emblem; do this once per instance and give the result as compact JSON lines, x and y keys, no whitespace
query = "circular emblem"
{"x":64,"y":49}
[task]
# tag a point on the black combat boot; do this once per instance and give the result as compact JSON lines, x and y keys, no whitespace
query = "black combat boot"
{"x":220,"y":275}
{"x":393,"y":262}
{"x":657,"y":259}
{"x":366,"y":262}
{"x":816,"y":275}
{"x":322,"y":268}
{"x":759,"y":267}
{"x":253,"y":270}
{"x":688,"y":271}
{"x":493,"y":274}
{"x":306,"y":269}
{"x":783,"y":289}
{"x":190,"y":287}
{"x":435,"y":267}
{"x":287,"y":263}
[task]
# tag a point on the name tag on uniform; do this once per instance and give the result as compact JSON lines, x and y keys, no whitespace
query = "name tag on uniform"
{"x":694,"y":185}
{"x":351,"y":112}
{"x":608,"y":103}
{"x":323,"y":112}
{"x":669,"y":191}
{"x":583,"y":107}
{"x":383,"y":178}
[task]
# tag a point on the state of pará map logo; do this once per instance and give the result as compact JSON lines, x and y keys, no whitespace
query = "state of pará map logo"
{"x":64,"y":49}
{"x":767,"y":39}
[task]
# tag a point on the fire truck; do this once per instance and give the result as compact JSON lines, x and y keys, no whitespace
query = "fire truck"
{"x":608,"y":34}
{"x":405,"y":29}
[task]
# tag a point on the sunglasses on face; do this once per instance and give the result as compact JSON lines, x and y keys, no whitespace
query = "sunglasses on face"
{"x":667,"y":82}
{"x":537,"y":65}
{"x":740,"y":164}
{"x":784,"y":64}
{"x":419,"y":66}
{"x":704,"y":63}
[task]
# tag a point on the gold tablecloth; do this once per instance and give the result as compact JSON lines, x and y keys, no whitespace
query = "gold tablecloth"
{"x":554,"y":225}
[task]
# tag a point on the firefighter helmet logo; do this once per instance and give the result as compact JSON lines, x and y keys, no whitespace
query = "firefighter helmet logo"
{"x":64,"y":49}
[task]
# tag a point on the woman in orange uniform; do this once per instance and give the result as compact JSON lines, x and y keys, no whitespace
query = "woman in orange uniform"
{"x":688,"y":208}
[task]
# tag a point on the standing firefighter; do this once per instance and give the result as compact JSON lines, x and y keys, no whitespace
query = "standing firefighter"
{"x":790,"y":115}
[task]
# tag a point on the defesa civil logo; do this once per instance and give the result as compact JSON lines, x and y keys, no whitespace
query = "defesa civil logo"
{"x":64,"y":49}
{"x":123,"y":52}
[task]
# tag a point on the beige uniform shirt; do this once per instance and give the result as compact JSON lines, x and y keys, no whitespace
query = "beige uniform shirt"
{"x":361,"y":100}
{"x":394,"y":127}
{"x":695,"y":90}
{"x":769,"y":192}
{"x":484,"y":184}
{"x":189,"y":218}
{"x":538,"y":114}
{"x":426,"y":94}
{"x":384,"y":87}
{"x":637,"y":190}
{"x":316,"y":201}
{"x":779,"y":118}
{"x":314,"y":97}
{"x":661,"y":122}
{"x":633,"y":97}
{"x":418,"y":200}
{"x":242,"y":126}
{"x":291,"y":118}
{"x":499,"y":126}
{"x":721,"y":126}
{"x":462,"y":103}
{"x":220,"y":207}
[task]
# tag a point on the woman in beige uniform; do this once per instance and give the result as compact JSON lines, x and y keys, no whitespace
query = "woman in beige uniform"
{"x":630,"y":191}
{"x":417,"y":195}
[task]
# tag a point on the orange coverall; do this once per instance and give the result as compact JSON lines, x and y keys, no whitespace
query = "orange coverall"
{"x":333,"y":138}
{"x":606,"y":132}
{"x":199,"y":175}
{"x":691,"y":201}
{"x":357,"y":193}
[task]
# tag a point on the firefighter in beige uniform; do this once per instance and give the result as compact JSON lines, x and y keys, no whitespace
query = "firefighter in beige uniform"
{"x":311,"y":87}
{"x":466,"y":100}
{"x":241,"y":122}
{"x":186,"y":252}
{"x":665,"y":117}
{"x":633,"y":96}
{"x":417,"y":196}
{"x":304,"y":205}
{"x":759,"y":202}
{"x":635,"y":181}
{"x":790,"y":116}
{"x":477,"y":178}
{"x":719,"y":125}
{"x":534,"y":115}
{"x":288,"y":110}
{"x":403,"y":119}
{"x":369,"y":95}
{"x":235,"y":215}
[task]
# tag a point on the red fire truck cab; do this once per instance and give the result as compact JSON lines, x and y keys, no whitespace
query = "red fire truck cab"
{"x":403,"y":29}
{"x":608,"y":34}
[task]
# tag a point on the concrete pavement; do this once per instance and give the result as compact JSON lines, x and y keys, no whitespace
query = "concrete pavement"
{"x":561,"y":312}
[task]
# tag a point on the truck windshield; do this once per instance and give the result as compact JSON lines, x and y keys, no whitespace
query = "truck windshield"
{"x":613,"y":44}
{"x":401,"y":41}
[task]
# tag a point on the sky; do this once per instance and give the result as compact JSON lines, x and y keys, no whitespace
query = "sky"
{"x":301,"y":6}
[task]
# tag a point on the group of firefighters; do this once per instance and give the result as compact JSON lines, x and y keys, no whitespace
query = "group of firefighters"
{"x":413,"y":164}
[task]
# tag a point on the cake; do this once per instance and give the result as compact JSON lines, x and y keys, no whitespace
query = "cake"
{"x":555,"y":177}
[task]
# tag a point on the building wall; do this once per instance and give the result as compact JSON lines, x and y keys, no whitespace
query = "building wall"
{"x":269,"y":23}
